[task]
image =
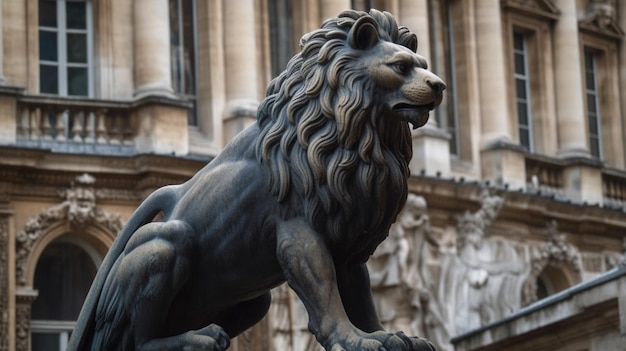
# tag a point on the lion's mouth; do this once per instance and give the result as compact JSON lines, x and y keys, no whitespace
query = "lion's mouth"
{"x":417,"y":115}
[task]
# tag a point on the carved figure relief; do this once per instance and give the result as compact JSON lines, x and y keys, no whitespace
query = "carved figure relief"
{"x":78,"y":209}
{"x":601,"y":17}
{"x":482,"y":282}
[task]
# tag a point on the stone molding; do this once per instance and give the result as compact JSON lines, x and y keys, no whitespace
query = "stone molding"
{"x":544,"y":9}
{"x":78,"y":209}
{"x":4,"y":284}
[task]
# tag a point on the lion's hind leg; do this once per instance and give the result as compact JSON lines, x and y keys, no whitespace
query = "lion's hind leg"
{"x":134,"y":303}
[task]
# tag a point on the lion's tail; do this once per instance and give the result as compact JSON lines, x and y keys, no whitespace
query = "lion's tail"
{"x":162,"y":200}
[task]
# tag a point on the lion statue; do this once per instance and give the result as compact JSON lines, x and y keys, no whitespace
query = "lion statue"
{"x":304,"y":195}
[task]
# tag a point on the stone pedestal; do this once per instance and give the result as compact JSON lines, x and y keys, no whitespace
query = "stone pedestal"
{"x":431,"y":151}
{"x":504,"y":164}
{"x":583,"y":181}
{"x":162,"y":127}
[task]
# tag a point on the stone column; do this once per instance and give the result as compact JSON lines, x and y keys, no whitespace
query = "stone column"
{"x":332,"y":8}
{"x":152,"y":48}
{"x":570,"y":110}
{"x":491,"y":73}
{"x":413,"y":14}
{"x":1,"y":47}
{"x":240,"y":47}
{"x":502,"y":162}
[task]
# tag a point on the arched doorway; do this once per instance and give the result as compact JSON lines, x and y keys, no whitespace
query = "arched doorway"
{"x":63,"y":275}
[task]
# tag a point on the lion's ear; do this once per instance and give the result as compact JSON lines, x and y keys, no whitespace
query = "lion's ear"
{"x":364,"y":34}
{"x":407,"y":39}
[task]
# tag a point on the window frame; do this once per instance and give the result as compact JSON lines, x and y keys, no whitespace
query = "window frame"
{"x":62,"y":63}
{"x":526,"y":97}
{"x":594,"y":139}
{"x":538,"y":32}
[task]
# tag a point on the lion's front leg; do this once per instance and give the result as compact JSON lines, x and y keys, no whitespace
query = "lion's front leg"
{"x":310,"y":271}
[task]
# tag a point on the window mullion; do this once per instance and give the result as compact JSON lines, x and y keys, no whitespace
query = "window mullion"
{"x":62,"y":47}
{"x":90,"y":78}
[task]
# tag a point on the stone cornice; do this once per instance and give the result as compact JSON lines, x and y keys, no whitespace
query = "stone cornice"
{"x":544,"y":9}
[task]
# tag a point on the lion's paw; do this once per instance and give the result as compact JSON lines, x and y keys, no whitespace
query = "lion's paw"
{"x":376,"y":341}
{"x":415,"y":343}
{"x":212,"y":338}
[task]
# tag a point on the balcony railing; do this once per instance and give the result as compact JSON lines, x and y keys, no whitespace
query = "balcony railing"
{"x":544,"y":176}
{"x":75,"y":124}
{"x":614,"y":189}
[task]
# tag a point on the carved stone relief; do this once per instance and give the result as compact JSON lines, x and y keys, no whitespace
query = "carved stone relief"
{"x":555,"y":251}
{"x":401,"y":280}
{"x":78,"y":209}
{"x":22,"y":323}
{"x":601,"y":17}
{"x":481,"y":282}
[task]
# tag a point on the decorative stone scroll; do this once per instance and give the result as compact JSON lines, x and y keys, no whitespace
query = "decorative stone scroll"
{"x":78,"y":209}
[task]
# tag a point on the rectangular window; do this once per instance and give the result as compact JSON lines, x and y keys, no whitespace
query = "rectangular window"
{"x":183,"y":52}
{"x":444,"y":55}
{"x":281,"y":35}
{"x":65,"y":47}
{"x":593,"y":105}
{"x":522,"y":90}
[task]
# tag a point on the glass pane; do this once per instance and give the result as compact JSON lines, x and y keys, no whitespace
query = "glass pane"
{"x":520,"y":86}
{"x":591,"y":84}
{"x":518,"y":41}
{"x":77,"y":83}
{"x":594,"y":146}
{"x":48,"y":45}
{"x":45,"y":342}
{"x":588,"y":60}
{"x":524,"y":138}
{"x":48,"y":79}
{"x":63,"y":276}
{"x":76,"y":15}
{"x":591,"y":103}
{"x":76,"y":48}
{"x":47,"y":13}
{"x":519,"y":64}
{"x":593,"y":125}
{"x":522,"y":113}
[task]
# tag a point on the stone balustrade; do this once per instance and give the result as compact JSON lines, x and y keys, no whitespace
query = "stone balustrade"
{"x":544,"y":176}
{"x":614,"y":189}
{"x":75,"y":124}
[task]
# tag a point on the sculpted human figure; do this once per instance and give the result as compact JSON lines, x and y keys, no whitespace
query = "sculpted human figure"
{"x":304,"y":195}
{"x":482,"y":282}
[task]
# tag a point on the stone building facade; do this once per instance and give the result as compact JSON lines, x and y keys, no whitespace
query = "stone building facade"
{"x":518,"y":190}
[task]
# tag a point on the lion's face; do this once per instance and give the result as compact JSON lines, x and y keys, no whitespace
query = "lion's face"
{"x":406,"y":89}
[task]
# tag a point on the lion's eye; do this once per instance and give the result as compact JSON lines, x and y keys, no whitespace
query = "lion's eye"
{"x":401,"y":67}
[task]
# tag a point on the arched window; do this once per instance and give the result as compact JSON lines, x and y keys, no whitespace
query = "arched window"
{"x":63,"y":276}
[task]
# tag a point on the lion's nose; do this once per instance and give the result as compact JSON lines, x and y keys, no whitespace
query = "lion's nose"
{"x":436,"y":84}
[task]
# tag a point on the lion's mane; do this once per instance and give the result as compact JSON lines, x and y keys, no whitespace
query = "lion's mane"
{"x":330,"y":155}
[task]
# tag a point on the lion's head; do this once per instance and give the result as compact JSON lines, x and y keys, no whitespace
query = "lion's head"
{"x":334,"y":129}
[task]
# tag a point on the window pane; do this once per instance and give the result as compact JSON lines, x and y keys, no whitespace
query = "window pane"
{"x":591,"y":84}
{"x":63,"y":276}
{"x":48,"y":45}
{"x":588,"y":60}
{"x":594,"y":146}
{"x":77,"y":81}
{"x":45,"y":342}
{"x":520,"y":86}
{"x":522,"y":113}
{"x":47,"y":13}
{"x":519,"y":64}
{"x":76,"y":15}
{"x":591,"y":103}
{"x":76,"y":48}
{"x":593,"y":125}
{"x":48,"y":79}
{"x":524,"y":138}
{"x":518,"y":41}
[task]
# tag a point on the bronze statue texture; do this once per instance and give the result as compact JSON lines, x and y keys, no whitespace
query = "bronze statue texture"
{"x":304,"y":195}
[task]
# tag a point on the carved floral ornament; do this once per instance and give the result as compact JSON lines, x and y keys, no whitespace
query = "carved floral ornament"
{"x":78,"y":209}
{"x":555,"y":251}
